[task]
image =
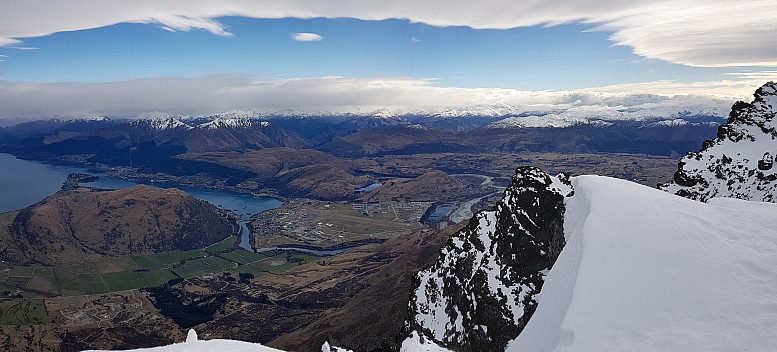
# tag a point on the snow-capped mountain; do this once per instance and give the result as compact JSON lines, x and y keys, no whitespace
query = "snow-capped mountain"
{"x":551,"y":120}
{"x":172,"y":122}
{"x":162,"y":123}
{"x":233,"y":122}
{"x":739,"y":162}
{"x":647,"y":115}
{"x":679,"y":122}
{"x":495,"y":110}
{"x":481,"y":291}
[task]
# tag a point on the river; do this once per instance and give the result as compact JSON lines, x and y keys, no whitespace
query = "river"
{"x":25,"y":182}
{"x":464,"y":211}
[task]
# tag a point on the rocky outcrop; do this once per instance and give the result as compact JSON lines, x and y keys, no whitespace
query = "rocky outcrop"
{"x":480,"y":292}
{"x":739,"y":163}
{"x":74,"y":181}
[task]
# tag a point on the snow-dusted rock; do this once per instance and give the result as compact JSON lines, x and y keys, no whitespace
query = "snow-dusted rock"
{"x":739,"y":162}
{"x":480,"y":292}
{"x":232,"y":122}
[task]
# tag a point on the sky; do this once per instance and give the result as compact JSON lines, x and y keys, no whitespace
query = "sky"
{"x":120,"y":58}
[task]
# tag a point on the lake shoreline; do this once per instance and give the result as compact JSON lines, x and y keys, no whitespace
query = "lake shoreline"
{"x":51,"y":178}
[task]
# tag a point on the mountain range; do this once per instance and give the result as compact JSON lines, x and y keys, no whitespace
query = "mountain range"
{"x":358,"y":134}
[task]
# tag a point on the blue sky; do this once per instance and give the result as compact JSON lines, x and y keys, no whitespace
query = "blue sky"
{"x":534,"y":58}
{"x":199,"y":56}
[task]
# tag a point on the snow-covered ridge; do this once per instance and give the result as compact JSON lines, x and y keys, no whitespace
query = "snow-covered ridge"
{"x":234,"y":122}
{"x":170,"y":122}
{"x":649,"y":115}
{"x":480,"y":291}
{"x":739,"y":163}
{"x":641,"y":270}
{"x":97,"y":118}
{"x":644,"y":270}
{"x":551,"y":120}
{"x":679,"y":122}
{"x":194,"y":344}
{"x":162,"y":123}
{"x":595,"y":106}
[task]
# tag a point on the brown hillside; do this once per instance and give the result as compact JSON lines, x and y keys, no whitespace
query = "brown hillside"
{"x":429,"y":187}
{"x":293,"y":172}
{"x":375,"y":311}
{"x":378,"y":140}
{"x":84,"y":223}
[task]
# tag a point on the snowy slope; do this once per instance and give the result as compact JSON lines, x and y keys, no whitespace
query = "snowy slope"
{"x":644,"y":270}
{"x":193,"y":344}
{"x":739,"y":162}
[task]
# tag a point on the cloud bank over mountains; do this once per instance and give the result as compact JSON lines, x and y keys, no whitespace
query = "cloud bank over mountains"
{"x":219,"y":93}
{"x":708,"y":33}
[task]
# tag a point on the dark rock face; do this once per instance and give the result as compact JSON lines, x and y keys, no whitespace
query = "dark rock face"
{"x":739,"y":162}
{"x":480,"y":293}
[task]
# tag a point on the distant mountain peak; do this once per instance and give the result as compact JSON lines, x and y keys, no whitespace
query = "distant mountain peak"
{"x":232,"y":122}
{"x":98,"y":118}
{"x":163,"y":123}
{"x":739,"y":162}
{"x":383,"y":113}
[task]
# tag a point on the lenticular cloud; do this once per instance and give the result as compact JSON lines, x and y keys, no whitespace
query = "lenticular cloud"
{"x":710,"y":33}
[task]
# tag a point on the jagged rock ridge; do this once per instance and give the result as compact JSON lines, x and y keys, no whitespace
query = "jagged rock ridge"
{"x":479,"y":294}
{"x":739,"y":163}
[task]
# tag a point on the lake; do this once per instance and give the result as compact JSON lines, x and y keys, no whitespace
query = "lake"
{"x":25,"y":182}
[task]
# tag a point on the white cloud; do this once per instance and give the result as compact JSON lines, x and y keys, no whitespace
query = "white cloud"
{"x":173,"y":22}
{"x":217,"y":93}
{"x":9,"y":41}
{"x":23,"y":47}
{"x":692,"y":32}
{"x":307,"y":37}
